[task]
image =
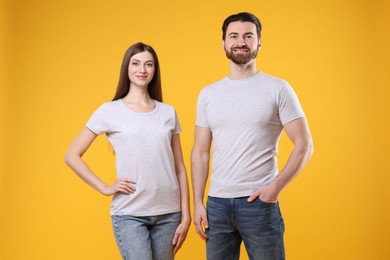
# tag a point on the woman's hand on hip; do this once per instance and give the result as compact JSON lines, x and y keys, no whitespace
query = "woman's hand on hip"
{"x":121,"y":185}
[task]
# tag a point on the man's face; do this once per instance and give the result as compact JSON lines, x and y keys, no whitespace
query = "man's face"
{"x":241,"y":42}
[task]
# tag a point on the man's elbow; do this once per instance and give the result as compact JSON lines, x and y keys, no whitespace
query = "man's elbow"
{"x":305,"y":149}
{"x":309,"y":150}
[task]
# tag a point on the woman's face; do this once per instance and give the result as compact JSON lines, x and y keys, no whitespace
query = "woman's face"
{"x":141,"y":69}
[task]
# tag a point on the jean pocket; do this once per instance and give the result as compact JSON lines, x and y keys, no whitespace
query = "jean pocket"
{"x":215,"y":203}
{"x":266,"y":203}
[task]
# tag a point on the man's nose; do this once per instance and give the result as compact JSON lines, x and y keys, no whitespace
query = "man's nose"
{"x":242,"y":42}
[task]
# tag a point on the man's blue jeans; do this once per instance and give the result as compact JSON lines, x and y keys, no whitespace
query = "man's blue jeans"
{"x":146,"y":238}
{"x":260,"y":225}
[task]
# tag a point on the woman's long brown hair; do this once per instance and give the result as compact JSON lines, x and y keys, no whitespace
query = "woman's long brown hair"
{"x":154,"y":86}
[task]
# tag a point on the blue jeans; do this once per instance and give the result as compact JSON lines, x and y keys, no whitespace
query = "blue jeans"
{"x":146,"y":238}
{"x":260,"y":225}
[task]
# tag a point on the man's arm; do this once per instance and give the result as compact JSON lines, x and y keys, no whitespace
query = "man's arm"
{"x":200,"y":158}
{"x":299,"y":134}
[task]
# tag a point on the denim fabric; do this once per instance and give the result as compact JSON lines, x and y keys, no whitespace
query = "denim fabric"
{"x":146,"y":238}
{"x":260,"y":225}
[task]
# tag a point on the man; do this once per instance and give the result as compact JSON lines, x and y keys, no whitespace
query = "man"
{"x":244,"y":115}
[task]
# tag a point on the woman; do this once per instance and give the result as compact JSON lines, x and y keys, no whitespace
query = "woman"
{"x":150,"y":207}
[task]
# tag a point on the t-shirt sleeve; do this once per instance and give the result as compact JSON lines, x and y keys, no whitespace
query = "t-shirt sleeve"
{"x":201,"y":115}
{"x":177,"y":129}
{"x":97,"y":123}
{"x":289,"y":105}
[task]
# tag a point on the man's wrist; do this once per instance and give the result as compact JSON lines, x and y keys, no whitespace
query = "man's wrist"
{"x":277,"y":185}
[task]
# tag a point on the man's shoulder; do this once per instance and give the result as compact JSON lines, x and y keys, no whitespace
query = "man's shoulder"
{"x":273,"y":80}
{"x":215,"y":85}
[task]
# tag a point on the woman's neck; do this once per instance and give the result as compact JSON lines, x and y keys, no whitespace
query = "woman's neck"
{"x":139,"y":101}
{"x":137,"y":96}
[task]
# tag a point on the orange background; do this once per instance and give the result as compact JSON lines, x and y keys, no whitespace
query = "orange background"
{"x":60,"y":60}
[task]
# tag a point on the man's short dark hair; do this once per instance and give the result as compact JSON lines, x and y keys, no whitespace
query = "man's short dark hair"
{"x":241,"y":17}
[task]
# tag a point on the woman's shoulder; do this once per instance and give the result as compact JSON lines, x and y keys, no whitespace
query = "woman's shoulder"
{"x":165,"y":106}
{"x":111,"y":104}
{"x":109,"y":107}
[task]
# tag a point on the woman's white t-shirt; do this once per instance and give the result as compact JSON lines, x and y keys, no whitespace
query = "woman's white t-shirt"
{"x":142,"y":145}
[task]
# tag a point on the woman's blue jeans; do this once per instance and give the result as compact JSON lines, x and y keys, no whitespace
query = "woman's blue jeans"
{"x":260,"y":225}
{"x":146,"y":238}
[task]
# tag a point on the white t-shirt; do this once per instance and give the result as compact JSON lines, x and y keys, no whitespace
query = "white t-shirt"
{"x":142,"y":145}
{"x":246,"y":118}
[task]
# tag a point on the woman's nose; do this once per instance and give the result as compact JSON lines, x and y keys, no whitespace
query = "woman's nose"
{"x":142,"y":69}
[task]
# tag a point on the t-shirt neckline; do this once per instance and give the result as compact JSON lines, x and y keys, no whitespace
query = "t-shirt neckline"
{"x":140,"y":113}
{"x":244,"y":79}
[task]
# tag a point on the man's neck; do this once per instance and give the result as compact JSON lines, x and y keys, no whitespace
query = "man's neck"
{"x":242,"y":71}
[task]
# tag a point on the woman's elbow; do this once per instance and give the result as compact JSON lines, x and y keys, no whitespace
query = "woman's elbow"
{"x":69,"y":158}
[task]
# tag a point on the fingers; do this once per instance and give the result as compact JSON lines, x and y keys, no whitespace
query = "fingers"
{"x":130,"y":181}
{"x":178,"y":239}
{"x":177,"y":242}
{"x":253,"y":197}
{"x":175,"y":238}
{"x":200,"y":221}
{"x":125,"y":185}
{"x":205,"y":222}
{"x":264,"y":195}
{"x":256,"y":194}
{"x":199,"y":229}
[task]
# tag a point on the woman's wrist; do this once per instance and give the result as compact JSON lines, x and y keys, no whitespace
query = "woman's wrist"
{"x":186,"y":218}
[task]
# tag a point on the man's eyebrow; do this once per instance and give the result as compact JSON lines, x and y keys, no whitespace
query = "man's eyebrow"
{"x":247,"y":33}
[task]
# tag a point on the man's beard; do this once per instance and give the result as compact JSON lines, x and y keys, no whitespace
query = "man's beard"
{"x":241,"y":58}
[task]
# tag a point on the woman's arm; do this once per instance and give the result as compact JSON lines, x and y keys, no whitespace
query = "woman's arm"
{"x":73,"y":158}
{"x":182,"y":229}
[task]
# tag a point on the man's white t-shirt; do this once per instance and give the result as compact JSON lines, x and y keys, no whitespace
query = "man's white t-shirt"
{"x":246,"y":118}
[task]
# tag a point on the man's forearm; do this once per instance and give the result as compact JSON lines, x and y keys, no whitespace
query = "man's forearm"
{"x":297,"y":160}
